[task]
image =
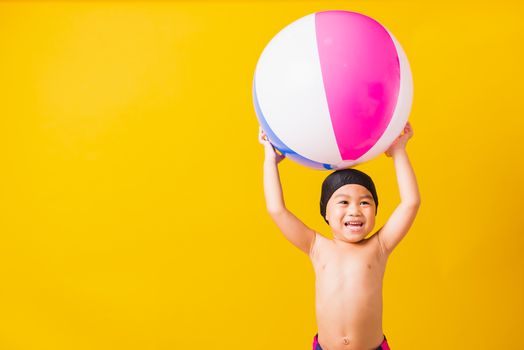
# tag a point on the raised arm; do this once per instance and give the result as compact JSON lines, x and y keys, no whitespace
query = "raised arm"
{"x":293,"y":229}
{"x":402,"y":218}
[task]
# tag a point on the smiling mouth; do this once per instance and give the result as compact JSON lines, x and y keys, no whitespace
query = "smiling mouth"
{"x":353,"y":224}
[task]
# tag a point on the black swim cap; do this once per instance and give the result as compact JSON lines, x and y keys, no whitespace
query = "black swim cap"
{"x":342,"y":177}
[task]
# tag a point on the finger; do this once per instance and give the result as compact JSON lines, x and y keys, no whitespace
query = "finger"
{"x":409,"y":128}
{"x":262,"y":135}
{"x":262,"y":138}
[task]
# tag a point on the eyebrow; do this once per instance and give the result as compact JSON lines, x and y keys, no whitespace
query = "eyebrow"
{"x":361,"y":197}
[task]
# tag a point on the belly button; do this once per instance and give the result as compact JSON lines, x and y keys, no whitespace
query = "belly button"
{"x":346,"y":341}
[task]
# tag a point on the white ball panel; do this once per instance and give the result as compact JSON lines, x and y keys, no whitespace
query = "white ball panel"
{"x":291,"y":95}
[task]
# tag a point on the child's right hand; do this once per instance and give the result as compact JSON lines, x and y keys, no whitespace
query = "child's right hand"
{"x":270,"y":152}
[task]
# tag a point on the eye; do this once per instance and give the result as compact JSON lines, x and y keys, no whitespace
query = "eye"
{"x":364,"y":203}
{"x":343,"y":202}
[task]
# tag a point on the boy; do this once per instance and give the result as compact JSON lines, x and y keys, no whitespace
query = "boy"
{"x":349,"y":269}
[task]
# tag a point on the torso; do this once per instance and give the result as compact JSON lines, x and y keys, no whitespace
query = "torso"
{"x":349,"y":293}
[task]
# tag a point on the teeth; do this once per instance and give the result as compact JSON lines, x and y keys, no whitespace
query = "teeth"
{"x":353,"y":223}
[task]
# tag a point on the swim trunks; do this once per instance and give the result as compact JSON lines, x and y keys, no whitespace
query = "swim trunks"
{"x":383,"y":346}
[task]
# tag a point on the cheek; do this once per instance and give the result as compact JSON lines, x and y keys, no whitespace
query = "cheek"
{"x":334,"y":211}
{"x":371,"y":217}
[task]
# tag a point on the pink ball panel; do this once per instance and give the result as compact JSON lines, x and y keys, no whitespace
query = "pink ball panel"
{"x":361,"y":76}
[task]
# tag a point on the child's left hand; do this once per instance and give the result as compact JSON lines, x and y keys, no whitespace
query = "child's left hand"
{"x":400,"y":143}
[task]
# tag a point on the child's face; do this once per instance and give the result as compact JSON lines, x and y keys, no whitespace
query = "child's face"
{"x":351,"y":213}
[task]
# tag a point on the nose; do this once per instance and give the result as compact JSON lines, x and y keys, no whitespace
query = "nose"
{"x":353,"y":210}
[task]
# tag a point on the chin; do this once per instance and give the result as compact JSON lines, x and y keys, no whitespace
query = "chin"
{"x":350,"y":239}
{"x":355,"y":239}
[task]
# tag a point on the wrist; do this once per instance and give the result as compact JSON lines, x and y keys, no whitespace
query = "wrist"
{"x":398,"y":152}
{"x":270,"y":161}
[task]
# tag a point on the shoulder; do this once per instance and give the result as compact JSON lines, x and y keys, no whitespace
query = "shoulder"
{"x":377,"y":242}
{"x":319,"y":244}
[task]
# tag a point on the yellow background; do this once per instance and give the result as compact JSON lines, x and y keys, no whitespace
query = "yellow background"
{"x":132,"y":213}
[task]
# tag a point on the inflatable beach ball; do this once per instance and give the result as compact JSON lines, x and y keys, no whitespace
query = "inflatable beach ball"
{"x":333,"y":89}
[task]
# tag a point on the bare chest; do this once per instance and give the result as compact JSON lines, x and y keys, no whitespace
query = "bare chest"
{"x":337,"y":267}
